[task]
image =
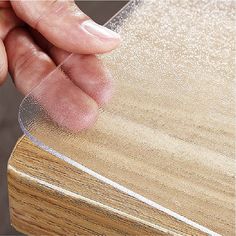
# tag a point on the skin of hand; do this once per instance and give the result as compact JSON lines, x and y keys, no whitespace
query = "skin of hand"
{"x":35,"y":37}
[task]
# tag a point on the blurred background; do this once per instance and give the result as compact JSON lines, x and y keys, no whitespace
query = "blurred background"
{"x":10,"y":100}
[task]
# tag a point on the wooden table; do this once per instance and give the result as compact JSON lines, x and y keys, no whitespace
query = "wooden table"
{"x":48,"y":197}
{"x":167,"y":140}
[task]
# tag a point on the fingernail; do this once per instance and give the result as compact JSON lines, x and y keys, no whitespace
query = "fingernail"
{"x":98,"y":30}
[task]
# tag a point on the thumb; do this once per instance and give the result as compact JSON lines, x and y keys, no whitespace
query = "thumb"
{"x":63,"y":24}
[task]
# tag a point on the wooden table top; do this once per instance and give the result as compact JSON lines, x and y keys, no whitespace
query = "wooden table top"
{"x":49,"y":196}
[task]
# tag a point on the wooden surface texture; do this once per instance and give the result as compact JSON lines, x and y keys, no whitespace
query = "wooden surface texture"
{"x":49,"y":196}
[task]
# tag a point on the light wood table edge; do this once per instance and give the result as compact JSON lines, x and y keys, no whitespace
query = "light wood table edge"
{"x":116,"y":222}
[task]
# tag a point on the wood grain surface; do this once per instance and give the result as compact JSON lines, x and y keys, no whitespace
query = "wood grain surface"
{"x":50,"y":197}
{"x":168,"y":134}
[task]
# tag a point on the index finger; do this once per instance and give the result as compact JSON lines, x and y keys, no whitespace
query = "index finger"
{"x":66,"y":26}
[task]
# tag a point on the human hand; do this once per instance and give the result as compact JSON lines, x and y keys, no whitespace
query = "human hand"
{"x":36,"y":36}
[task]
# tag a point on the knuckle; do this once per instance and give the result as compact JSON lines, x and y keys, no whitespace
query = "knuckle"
{"x":24,"y":60}
{"x":32,"y":62}
{"x":28,"y":59}
{"x":62,"y":9}
{"x":46,"y":9}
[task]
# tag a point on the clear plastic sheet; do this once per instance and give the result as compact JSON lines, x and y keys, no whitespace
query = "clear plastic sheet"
{"x":171,"y":119}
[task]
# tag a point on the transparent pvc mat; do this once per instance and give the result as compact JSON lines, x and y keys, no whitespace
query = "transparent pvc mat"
{"x":168,"y":131}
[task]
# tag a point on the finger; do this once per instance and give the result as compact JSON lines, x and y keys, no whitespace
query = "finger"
{"x":65,"y":103}
{"x":86,"y":71}
{"x":3,"y":63}
{"x":5,"y":4}
{"x":66,"y":26}
{"x":8,"y":21}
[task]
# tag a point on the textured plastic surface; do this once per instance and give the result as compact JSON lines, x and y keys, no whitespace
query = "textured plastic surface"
{"x":162,"y":115}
